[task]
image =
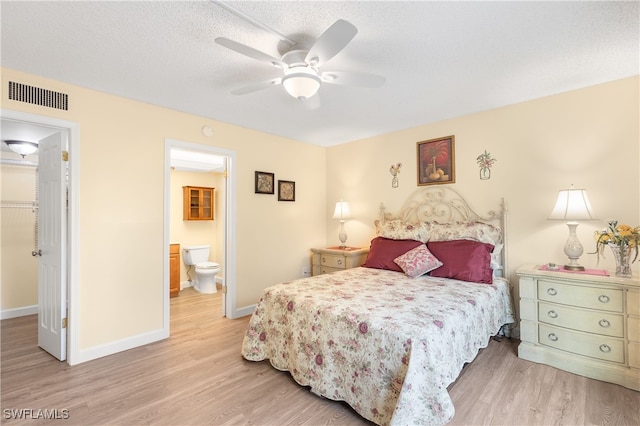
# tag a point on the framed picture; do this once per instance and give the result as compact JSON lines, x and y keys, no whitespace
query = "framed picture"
{"x":286,"y":190}
{"x":264,"y":183}
{"x":436,"y":161}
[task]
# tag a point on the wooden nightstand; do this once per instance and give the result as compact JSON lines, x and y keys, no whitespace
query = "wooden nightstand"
{"x":331,"y":259}
{"x":585,"y":324}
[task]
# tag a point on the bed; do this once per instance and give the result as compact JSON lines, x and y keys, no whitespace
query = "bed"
{"x":388,"y":338}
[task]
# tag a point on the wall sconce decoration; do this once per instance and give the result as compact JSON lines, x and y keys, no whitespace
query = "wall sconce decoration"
{"x":342,"y":212}
{"x":395,"y":170}
{"x":572,"y":205}
{"x":485,"y":162}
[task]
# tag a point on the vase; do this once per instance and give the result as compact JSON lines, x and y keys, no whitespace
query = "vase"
{"x":622,"y":254}
{"x":394,"y":182}
{"x":485,"y":173}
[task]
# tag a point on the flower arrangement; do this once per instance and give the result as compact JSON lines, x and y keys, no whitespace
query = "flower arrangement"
{"x":485,"y":161}
{"x":625,"y":237}
{"x":395,"y":169}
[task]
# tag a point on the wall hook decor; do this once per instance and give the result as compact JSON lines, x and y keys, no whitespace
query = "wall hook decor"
{"x":395,"y":170}
{"x":485,"y":162}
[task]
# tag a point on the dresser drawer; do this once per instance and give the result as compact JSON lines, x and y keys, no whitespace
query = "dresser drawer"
{"x":604,"y":323}
{"x":591,"y":345}
{"x":633,"y":325}
{"x":633,"y":302}
{"x":605,"y":299}
{"x":333,"y":261}
{"x":634,"y":355}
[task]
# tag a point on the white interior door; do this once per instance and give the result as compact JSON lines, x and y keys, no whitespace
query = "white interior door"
{"x":52,"y":233}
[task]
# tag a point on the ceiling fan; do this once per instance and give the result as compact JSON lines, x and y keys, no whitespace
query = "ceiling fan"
{"x":301,"y":66}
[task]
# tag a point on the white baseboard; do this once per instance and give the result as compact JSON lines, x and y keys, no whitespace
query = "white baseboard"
{"x":18,"y":312}
{"x":111,"y":348}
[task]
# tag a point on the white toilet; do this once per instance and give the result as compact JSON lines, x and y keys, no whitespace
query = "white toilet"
{"x":206,"y":271}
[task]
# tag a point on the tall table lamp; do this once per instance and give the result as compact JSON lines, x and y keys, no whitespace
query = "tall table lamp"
{"x":572,"y":205}
{"x":342,"y":212}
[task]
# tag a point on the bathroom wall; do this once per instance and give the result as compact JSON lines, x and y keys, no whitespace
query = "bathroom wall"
{"x":19,"y":276}
{"x":197,"y":232}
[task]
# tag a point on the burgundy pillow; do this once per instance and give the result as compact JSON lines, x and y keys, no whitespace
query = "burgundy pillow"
{"x":383,"y":251}
{"x":463,"y":260}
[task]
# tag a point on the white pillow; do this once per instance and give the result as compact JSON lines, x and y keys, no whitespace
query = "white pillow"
{"x":400,"y":230}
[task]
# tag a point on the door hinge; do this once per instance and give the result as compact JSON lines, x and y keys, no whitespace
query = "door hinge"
{"x":65,"y":155}
{"x":224,"y":289}
{"x":226,"y":174}
{"x":64,"y":323}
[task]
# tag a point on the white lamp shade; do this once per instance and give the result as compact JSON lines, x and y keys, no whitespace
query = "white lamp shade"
{"x":301,"y":82}
{"x":342,"y":211}
{"x":572,"y":204}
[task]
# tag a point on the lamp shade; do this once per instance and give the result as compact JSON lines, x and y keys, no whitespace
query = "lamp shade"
{"x":301,"y":82}
{"x":342,"y":210}
{"x":572,"y":204}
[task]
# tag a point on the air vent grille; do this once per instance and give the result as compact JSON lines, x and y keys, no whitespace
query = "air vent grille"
{"x":37,"y":96}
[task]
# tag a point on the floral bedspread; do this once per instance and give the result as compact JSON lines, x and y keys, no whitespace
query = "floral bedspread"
{"x":387,"y":344}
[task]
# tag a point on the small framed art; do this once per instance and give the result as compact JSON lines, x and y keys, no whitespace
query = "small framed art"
{"x":436,"y":161}
{"x":286,"y":190}
{"x":264,"y":183}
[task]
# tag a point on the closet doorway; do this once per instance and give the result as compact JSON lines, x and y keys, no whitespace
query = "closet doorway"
{"x":54,"y":206}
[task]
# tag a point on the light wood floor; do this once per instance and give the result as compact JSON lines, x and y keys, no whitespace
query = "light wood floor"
{"x":198,"y":377}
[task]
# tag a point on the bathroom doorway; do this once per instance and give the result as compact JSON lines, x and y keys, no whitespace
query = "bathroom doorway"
{"x":194,"y":159}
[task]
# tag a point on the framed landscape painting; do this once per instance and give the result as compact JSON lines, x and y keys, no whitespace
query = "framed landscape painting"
{"x":436,"y":161}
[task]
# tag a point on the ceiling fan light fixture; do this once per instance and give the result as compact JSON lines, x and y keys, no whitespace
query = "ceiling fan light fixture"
{"x":301,"y":82}
{"x":22,"y":147}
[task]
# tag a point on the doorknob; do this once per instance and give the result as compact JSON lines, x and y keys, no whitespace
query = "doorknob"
{"x":36,"y":253}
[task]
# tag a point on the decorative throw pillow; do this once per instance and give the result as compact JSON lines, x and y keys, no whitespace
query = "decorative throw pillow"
{"x":464,"y":260}
{"x":384,"y":250}
{"x":400,"y":230}
{"x":417,"y":261}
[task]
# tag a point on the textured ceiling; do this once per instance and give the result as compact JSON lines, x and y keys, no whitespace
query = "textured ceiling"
{"x":441,"y":59}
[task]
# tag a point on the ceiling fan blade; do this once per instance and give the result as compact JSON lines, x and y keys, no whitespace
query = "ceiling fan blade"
{"x":348,"y":78}
{"x":257,"y":86}
{"x":332,"y":41}
{"x":249,"y":51}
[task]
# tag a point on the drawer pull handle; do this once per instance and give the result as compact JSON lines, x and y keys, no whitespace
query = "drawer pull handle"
{"x":554,"y":338}
{"x":605,"y":348}
{"x":604,"y":323}
{"x":603,"y":298}
{"x":552,"y":314}
{"x":339,"y":262}
{"x":551,"y":291}
{"x":324,"y":260}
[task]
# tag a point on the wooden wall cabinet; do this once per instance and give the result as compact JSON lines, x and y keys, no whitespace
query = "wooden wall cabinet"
{"x":198,"y":203}
{"x":174,"y":270}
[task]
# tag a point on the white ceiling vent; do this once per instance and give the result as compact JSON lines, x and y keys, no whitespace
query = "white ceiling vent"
{"x":37,"y":96}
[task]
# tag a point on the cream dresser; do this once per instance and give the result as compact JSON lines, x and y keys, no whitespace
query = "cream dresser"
{"x":585,"y":324}
{"x":324,"y":260}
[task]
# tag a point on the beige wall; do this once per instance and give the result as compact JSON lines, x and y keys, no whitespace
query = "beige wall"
{"x":17,"y":229}
{"x":586,"y":137}
{"x":121,"y":197}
